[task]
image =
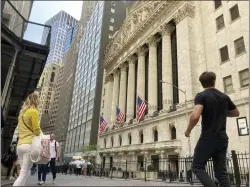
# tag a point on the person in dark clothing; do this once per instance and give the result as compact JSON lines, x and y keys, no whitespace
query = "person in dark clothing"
{"x":42,"y":172}
{"x":214,"y":107}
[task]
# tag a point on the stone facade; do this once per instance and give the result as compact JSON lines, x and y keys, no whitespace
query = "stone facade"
{"x":198,"y":44}
{"x":48,"y":88}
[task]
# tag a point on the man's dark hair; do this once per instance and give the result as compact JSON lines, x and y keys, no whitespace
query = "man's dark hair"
{"x":207,"y":79}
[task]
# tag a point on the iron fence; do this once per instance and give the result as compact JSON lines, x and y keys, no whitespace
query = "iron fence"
{"x":176,"y":169}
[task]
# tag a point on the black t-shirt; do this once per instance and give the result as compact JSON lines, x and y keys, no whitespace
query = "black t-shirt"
{"x":215,"y":109}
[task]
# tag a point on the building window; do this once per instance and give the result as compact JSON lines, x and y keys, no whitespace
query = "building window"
{"x":239,"y":46}
{"x":234,"y":12}
{"x":112,"y":10}
{"x":120,"y":140}
{"x":103,"y":104}
{"x":112,"y":20}
{"x":141,"y":137}
{"x":105,"y":142}
{"x":217,"y":4}
{"x":224,"y":54}
{"x":111,"y":28}
{"x":129,"y":139}
{"x":244,"y":77}
{"x":228,"y":84}
{"x":173,"y":133}
{"x":155,"y":135}
{"x":52,"y":77}
{"x":112,"y":142}
{"x":220,"y":22}
{"x":104,"y":91}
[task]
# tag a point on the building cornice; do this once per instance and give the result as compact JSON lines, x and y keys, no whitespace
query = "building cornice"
{"x":120,"y":47}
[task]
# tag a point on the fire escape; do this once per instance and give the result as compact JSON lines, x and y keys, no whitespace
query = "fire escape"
{"x":22,"y":63}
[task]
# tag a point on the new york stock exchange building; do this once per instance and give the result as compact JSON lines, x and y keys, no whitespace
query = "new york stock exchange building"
{"x":158,"y":54}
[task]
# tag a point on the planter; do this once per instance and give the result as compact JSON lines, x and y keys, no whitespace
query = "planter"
{"x":151,"y":175}
{"x":117,"y":174}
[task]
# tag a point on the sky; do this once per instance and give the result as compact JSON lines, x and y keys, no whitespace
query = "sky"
{"x":44,"y":10}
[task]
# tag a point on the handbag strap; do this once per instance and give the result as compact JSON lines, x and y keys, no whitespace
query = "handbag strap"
{"x":27,"y":125}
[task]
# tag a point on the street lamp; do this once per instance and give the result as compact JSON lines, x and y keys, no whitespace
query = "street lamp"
{"x":186,"y":109}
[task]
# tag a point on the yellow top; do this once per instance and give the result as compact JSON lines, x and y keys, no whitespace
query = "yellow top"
{"x":32,"y":128}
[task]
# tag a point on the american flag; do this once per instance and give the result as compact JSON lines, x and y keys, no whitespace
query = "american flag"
{"x":119,"y":115}
{"x":103,"y":125}
{"x":141,"y":108}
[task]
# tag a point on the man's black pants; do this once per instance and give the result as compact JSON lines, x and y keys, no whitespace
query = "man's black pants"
{"x":53,"y":167}
{"x":42,"y":171}
{"x":216,"y":148}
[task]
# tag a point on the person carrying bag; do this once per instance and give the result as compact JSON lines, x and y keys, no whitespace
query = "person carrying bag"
{"x":28,"y":129}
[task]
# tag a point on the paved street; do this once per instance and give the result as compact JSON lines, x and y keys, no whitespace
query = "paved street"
{"x":68,"y":180}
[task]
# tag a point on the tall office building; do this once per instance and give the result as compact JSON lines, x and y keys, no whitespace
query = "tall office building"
{"x":60,"y":23}
{"x":65,"y":84}
{"x":47,"y":85}
{"x":85,"y":107}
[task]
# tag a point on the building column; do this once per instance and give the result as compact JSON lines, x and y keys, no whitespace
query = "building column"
{"x":167,"y":88}
{"x":115,"y":96}
{"x":109,"y":81}
{"x":152,"y":76}
{"x":7,"y":84}
{"x":131,"y":89}
{"x":162,"y":161}
{"x":186,"y":52}
{"x":123,"y":88}
{"x":141,"y":73}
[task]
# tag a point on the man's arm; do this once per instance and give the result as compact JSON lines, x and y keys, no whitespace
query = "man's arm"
{"x":232,"y":109}
{"x":194,"y":118}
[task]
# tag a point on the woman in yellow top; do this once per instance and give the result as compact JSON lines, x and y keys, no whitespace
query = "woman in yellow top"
{"x":28,"y":127}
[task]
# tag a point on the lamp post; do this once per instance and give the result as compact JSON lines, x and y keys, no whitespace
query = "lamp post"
{"x":186,"y":109}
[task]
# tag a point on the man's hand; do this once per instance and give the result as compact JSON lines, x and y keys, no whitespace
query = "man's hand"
{"x":187,"y":133}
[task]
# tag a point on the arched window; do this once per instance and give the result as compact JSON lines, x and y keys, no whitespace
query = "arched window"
{"x":112,"y":142}
{"x":141,"y":136}
{"x":52,"y":77}
{"x":173,"y":133}
{"x":105,"y":142}
{"x":129,"y":139}
{"x":155,"y":135}
{"x":120,"y":140}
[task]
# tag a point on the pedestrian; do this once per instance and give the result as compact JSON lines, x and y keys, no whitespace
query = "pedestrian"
{"x":189,"y":168}
{"x":42,"y":172}
{"x":28,"y":127}
{"x":214,"y":107}
{"x":54,"y":155}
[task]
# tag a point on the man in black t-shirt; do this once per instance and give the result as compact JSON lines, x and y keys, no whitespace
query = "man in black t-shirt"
{"x":214,"y":107}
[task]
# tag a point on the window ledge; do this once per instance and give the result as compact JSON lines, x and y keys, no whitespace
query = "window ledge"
{"x":225,"y":61}
{"x":218,"y":30}
{"x":218,"y":8}
{"x":229,"y":93}
{"x":244,"y":88}
{"x":235,"y":20}
{"x":236,"y":56}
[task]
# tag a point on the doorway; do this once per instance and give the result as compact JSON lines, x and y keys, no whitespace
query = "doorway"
{"x":155,"y":162}
{"x":111,"y":162}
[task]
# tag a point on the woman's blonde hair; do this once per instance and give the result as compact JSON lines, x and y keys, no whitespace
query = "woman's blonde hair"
{"x":31,"y":101}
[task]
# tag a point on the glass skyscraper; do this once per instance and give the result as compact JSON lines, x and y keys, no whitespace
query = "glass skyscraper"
{"x":71,"y":33}
{"x":60,"y":23}
{"x":86,"y":99}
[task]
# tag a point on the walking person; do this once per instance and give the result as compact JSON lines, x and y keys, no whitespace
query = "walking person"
{"x":28,"y":127}
{"x":42,"y":172}
{"x":214,"y":107}
{"x":54,"y":153}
